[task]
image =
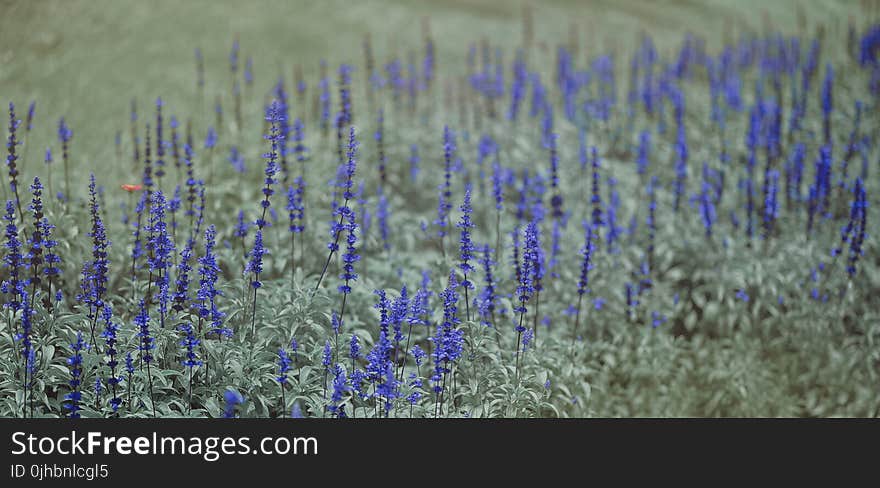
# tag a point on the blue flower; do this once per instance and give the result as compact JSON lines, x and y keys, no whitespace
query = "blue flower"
{"x":382,"y":306}
{"x":527,"y":338}
{"x":350,"y":256}
{"x":326,"y":354}
{"x":75,"y":364}
{"x":526,"y":287}
{"x":180,"y":298}
{"x":586,"y":264}
{"x":95,"y":278}
{"x":418,"y":354}
{"x":379,"y":136}
{"x":466,"y":246}
{"x":377,"y":358}
{"x":249,"y":71}
{"x":389,"y":388}
{"x":488,"y":296}
{"x":858,"y":236}
{"x":12,"y":157}
{"x":296,"y":206}
{"x":448,"y":339}
{"x":399,"y":309}
{"x":283,"y":366}
{"x":236,"y":160}
{"x":324,"y":97}
{"x":233,"y":399}
{"x":14,"y":285}
{"x":299,"y":148}
{"x":160,"y":144}
{"x":340,"y":387}
{"x":354,"y":350}
{"x":275,"y":116}
{"x":255,"y":264}
{"x":208,"y":293}
{"x":556,"y":200}
{"x":296,"y":411}
{"x":414,"y":162}
{"x":344,"y":180}
{"x":30,"y":115}
{"x":335,"y":323}
{"x":129,"y":363}
{"x":345,"y":94}
{"x":233,"y":56}
{"x":111,"y":329}
{"x":211,"y":138}
{"x":445,"y":204}
{"x":145,"y":338}
{"x":190,"y":345}
{"x":657,"y":319}
{"x":382,"y":216}
{"x":644,"y":152}
{"x":159,"y":247}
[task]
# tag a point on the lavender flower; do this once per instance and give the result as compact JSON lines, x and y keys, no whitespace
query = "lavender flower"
{"x":74,"y":363}
{"x":233,"y":399}
{"x":380,"y":147}
{"x":707,"y":209}
{"x":350,"y":256}
{"x":382,"y":217}
{"x":12,"y":157}
{"x":827,"y":102}
{"x":556,"y":200}
{"x":255,"y":265}
{"x":95,"y":272}
{"x":771,"y":204}
{"x":343,"y":211}
{"x":466,"y":248}
{"x":445,"y":205}
{"x":488,"y":296}
{"x":14,"y":285}
{"x":414,"y":162}
{"x":30,"y":115}
{"x":208,"y":292}
{"x":64,"y":136}
{"x":160,"y":143}
{"x":236,"y":160}
{"x":644,"y":151}
{"x":296,"y":205}
{"x":210,"y":138}
{"x":159,"y":247}
{"x":596,"y":199}
{"x":340,"y":387}
{"x":190,"y":345}
{"x":858,"y":236}
{"x":111,"y":330}
{"x":448,"y":339}
{"x":283,"y":367}
{"x":326,"y":354}
{"x":354,"y":349}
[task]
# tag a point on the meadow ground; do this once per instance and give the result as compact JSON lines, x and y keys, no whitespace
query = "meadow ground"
{"x":685,"y":313}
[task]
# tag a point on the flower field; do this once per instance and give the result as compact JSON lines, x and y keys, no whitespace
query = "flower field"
{"x":445,"y":209}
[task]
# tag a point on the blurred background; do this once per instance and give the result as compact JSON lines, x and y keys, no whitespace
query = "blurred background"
{"x":86,"y":59}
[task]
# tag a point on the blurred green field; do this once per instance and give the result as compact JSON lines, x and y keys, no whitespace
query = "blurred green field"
{"x":85,"y":60}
